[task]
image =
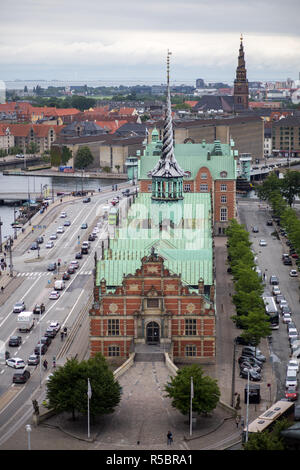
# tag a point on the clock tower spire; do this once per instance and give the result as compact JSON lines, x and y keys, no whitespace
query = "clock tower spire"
{"x":241,"y":89}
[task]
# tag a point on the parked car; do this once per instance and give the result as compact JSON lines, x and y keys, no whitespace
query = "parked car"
{"x":40,"y":240}
{"x":15,"y":362}
{"x":278,"y":298}
{"x":33,"y":360}
{"x":40,"y":348}
{"x":55,"y":325}
{"x":283,"y":303}
{"x":39,"y":309}
{"x":252,"y":360}
{"x":91,"y":238}
{"x":286,"y":309}
{"x":293,"y":273}
{"x":276,"y":290}
{"x":294,"y":364}
{"x":34,"y":246}
{"x":19,"y":307}
{"x":78,"y":255}
{"x":255,"y":229}
{"x":274,"y":280}
{"x":286,"y":318}
{"x":269,"y":222}
{"x":262,"y":242}
{"x":253,"y":375}
{"x":252,"y":351}
{"x":63,"y":215}
{"x":49,"y":245}
{"x":53,"y":236}
{"x":291,"y":378}
{"x":60,"y":230}
{"x":67,"y":223}
{"x":291,"y":393}
{"x":46,"y":340}
{"x":52,"y":267}
{"x":54,"y":295}
{"x":21,"y":376}
{"x":50,"y":333}
{"x":66,"y":276}
{"x":287,"y":261}
{"x":71,"y":270}
{"x":246,"y":365}
{"x":15,"y":341}
{"x":75,"y":264}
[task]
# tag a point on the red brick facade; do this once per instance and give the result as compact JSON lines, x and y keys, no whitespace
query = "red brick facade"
{"x":153,"y":307}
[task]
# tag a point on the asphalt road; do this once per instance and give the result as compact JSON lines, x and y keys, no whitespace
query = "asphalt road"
{"x":269,"y":260}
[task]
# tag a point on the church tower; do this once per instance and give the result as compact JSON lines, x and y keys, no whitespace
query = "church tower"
{"x":241,"y":89}
{"x":167,"y":176}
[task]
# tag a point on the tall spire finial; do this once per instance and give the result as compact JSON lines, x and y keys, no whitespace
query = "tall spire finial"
{"x":168,"y":67}
{"x":241,"y":37}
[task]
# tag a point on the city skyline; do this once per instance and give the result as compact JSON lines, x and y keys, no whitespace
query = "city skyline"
{"x":128,"y":42}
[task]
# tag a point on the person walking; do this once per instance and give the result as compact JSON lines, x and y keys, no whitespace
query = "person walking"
{"x":62,"y":335}
{"x":169,"y":438}
{"x":45,"y":364}
{"x":237,"y":420}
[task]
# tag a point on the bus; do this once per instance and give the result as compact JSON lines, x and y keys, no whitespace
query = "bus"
{"x":272,"y":312}
{"x":280,"y":409}
{"x":113,"y":216}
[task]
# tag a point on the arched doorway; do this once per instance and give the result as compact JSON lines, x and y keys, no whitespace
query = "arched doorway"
{"x":152,"y":333}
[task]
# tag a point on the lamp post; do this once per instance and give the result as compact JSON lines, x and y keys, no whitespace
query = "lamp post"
{"x":28,"y":429}
{"x":15,"y":230}
{"x":247,"y":414}
{"x":9,"y":245}
{"x":1,"y":223}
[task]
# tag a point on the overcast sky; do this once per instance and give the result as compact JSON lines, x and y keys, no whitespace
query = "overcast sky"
{"x":122,"y":41}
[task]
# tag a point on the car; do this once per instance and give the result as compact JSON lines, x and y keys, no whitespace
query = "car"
{"x":262,"y":242}
{"x":40,"y":348}
{"x":52,"y":267}
{"x":283,"y":303}
{"x":293,"y":273}
{"x":78,"y":255}
{"x":15,"y":341}
{"x":291,"y":378}
{"x":276,"y":290}
{"x":294,"y":340}
{"x":286,"y":318}
{"x":66,"y":276}
{"x":252,"y":360}
{"x":63,"y":215}
{"x":67,"y":223}
{"x":269,"y":222}
{"x":96,"y":230}
{"x":71,"y":270}
{"x":19,"y":307}
{"x":75,"y":264}
{"x":286,"y":309}
{"x":293,"y":364}
{"x":49,"y":245}
{"x":290,"y":326}
{"x":279,"y":297}
{"x":46,"y":340}
{"x":55,"y":325}
{"x":54,"y":295}
{"x":33,"y":360}
{"x":53,"y":236}
{"x":60,"y":230}
{"x":84,"y":225}
{"x":49,"y":377}
{"x":39,"y":309}
{"x":295,"y":255}
{"x":253,"y":351}
{"x":255,"y":229}
{"x":86,"y":199}
{"x":291,"y":393}
{"x":21,"y":376}
{"x":253,"y":375}
{"x":274,"y":280}
{"x":247,"y":365}
{"x":40,"y":240}
{"x":49,"y":333}
{"x":15,"y":362}
{"x":34,"y":246}
{"x":287,"y":261}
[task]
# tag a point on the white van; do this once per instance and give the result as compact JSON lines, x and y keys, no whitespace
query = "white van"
{"x":59,"y":285}
{"x":291,"y":378}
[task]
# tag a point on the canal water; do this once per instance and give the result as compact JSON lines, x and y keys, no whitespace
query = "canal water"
{"x":37,"y":184}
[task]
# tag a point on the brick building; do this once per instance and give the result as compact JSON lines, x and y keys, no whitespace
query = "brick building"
{"x":153,"y":306}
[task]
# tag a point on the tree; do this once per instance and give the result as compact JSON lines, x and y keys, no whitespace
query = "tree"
{"x":55,"y":156}
{"x":256,"y":324}
{"x":206,"y":390}
{"x":268,"y":440}
{"x":84,"y":158}
{"x":290,"y":186}
{"x":32,"y":148}
{"x":67,"y":388}
{"x":66,"y":155}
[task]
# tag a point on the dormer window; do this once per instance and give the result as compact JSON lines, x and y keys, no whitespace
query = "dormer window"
{"x":223,"y":174}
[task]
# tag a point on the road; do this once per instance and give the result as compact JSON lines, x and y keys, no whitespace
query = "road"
{"x":269,"y":260}
{"x":32,"y":284}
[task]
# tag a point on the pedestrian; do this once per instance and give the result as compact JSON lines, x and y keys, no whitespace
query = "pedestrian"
{"x":2,"y":289}
{"x":237,"y":420}
{"x":169,"y":438}
{"x":65,"y":331}
{"x":62,"y":335}
{"x":45,"y":364}
{"x":242,"y":422}
{"x":54,"y":363}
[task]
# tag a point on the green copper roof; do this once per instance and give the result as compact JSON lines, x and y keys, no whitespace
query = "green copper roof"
{"x":191,"y":157}
{"x":187,"y":249}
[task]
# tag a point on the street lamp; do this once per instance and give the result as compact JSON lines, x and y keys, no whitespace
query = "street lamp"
{"x":28,"y":429}
{"x":9,"y":245}
{"x":247,"y":415}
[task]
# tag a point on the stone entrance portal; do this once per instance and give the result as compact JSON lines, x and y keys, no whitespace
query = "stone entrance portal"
{"x":152,"y":333}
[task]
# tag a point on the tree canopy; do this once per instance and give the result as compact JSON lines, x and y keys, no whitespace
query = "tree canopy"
{"x":206,"y":390}
{"x":83,"y":158}
{"x":67,"y":388}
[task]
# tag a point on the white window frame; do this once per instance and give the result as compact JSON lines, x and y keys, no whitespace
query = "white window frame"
{"x":222,"y":219}
{"x":223,"y":187}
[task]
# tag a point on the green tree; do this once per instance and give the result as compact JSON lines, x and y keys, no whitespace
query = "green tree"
{"x":55,"y":156}
{"x":67,"y":388}
{"x":84,"y":158}
{"x":268,"y":440}
{"x":206,"y":390}
{"x":32,"y":148}
{"x":66,"y":155}
{"x":290,"y":186}
{"x":256,"y":324}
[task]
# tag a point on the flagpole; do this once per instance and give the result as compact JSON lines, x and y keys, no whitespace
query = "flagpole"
{"x":191,"y":407}
{"x":89,"y":394}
